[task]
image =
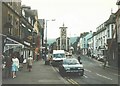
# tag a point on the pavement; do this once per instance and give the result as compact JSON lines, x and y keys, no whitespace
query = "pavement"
{"x":40,"y":74}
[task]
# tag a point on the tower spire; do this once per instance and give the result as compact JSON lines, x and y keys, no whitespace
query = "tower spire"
{"x":63,"y":24}
{"x":111,"y":10}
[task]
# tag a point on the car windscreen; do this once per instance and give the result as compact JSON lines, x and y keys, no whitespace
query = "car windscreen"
{"x":59,"y":55}
{"x":70,"y":61}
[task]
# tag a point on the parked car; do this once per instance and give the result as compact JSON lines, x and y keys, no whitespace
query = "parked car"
{"x":67,"y":53}
{"x":71,"y":65}
{"x":101,"y":58}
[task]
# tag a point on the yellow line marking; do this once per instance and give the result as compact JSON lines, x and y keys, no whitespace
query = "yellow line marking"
{"x":70,"y":81}
{"x":73,"y":82}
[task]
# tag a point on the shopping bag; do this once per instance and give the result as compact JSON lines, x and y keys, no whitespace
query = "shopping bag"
{"x":24,"y":61}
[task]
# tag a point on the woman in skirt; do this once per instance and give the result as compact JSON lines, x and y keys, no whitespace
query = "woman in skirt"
{"x":15,"y":66}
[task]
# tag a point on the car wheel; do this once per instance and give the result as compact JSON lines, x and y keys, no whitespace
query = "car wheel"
{"x":61,"y":71}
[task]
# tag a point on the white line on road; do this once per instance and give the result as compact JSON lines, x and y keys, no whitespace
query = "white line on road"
{"x":87,"y":70}
{"x":103,"y":76}
{"x":85,"y":76}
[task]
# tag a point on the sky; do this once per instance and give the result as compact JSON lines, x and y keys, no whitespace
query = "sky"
{"x":78,"y":15}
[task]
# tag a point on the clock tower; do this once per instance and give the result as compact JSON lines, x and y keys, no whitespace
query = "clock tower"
{"x":63,"y":37}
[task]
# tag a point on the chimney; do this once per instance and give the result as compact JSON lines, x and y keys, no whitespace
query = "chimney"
{"x":118,"y":3}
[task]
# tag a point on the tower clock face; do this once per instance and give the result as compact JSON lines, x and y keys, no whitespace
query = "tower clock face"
{"x":63,"y":33}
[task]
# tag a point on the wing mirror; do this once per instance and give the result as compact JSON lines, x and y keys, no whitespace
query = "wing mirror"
{"x":80,"y":62}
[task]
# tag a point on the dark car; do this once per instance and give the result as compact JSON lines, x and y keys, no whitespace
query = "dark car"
{"x":101,"y":58}
{"x":71,"y":65}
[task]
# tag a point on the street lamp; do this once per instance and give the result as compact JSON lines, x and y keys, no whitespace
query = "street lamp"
{"x":46,"y":40}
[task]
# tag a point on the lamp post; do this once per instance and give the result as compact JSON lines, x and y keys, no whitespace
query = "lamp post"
{"x":46,"y":40}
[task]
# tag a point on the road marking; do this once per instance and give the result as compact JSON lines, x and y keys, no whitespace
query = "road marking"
{"x":57,"y":69}
{"x":85,"y":76}
{"x":53,"y":68}
{"x":103,"y":76}
{"x":87,"y":70}
{"x":73,"y":82}
{"x":61,"y":78}
{"x":70,"y":81}
{"x":67,"y":78}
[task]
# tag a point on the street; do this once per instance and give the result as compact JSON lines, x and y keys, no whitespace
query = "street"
{"x":47,"y":74}
{"x":95,"y":74}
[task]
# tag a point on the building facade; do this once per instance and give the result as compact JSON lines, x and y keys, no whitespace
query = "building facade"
{"x":118,"y":30}
{"x":11,"y":31}
{"x":20,"y":29}
{"x":83,"y":42}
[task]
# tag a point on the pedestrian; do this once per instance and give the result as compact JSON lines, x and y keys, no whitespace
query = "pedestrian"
{"x":105,"y":62}
{"x":37,"y":56}
{"x":8,"y":65}
{"x":79,"y":58}
{"x":29,"y":63}
{"x":15,"y":66}
{"x":21,"y":59}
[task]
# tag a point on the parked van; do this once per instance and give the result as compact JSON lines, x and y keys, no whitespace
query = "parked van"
{"x":57,"y":57}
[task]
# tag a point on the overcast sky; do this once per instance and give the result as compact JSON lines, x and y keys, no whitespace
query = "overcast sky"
{"x":78,"y":15}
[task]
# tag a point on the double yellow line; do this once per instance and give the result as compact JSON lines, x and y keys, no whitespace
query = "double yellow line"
{"x":73,"y":82}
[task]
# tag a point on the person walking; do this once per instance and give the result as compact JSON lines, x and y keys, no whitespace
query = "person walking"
{"x":21,"y":59}
{"x":105,"y":62}
{"x":79,"y":58}
{"x":15,"y":66}
{"x":8,"y":65}
{"x":29,"y":63}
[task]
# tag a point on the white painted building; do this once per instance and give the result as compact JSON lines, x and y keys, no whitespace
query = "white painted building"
{"x":103,"y":33}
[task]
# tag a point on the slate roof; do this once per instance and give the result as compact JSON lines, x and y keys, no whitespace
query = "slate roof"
{"x":83,"y":34}
{"x":111,"y":19}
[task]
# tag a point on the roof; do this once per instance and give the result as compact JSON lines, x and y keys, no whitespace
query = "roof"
{"x":83,"y":34}
{"x":118,"y":2}
{"x":99,"y":31}
{"x":111,"y":19}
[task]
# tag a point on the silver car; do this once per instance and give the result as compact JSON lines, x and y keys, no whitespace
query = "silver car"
{"x":71,"y":65}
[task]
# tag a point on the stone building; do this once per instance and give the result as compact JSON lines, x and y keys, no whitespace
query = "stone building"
{"x":11,"y":32}
{"x":62,"y":43}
